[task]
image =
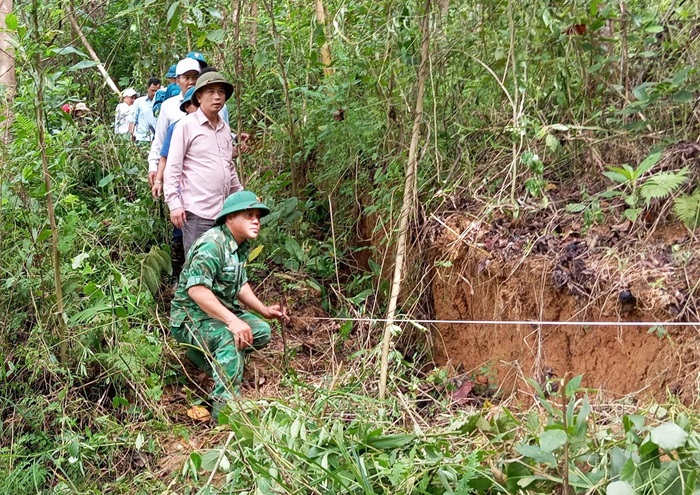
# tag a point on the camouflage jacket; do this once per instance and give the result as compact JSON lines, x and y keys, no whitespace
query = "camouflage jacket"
{"x":216,"y":261}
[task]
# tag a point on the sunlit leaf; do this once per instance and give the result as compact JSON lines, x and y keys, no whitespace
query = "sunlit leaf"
{"x":217,"y":36}
{"x":669,"y":436}
{"x":255,"y":252}
{"x":67,"y":50}
{"x":11,"y":21}
{"x":619,"y":488}
{"x":552,"y":439}
{"x":105,"y":180}
{"x":83,"y":64}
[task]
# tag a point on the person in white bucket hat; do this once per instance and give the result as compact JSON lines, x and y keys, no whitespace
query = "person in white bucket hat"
{"x":122,"y":114}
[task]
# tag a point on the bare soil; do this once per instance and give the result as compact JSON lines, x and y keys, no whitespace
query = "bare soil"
{"x":514,"y":271}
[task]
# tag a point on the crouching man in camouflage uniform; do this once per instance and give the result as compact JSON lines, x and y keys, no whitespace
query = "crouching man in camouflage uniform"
{"x":206,"y":310}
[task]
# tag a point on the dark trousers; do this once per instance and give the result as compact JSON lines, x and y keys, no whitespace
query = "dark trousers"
{"x":193,"y":228}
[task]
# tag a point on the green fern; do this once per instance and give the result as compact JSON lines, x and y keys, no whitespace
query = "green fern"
{"x":663,"y":184}
{"x":687,"y":207}
{"x":23,"y":127}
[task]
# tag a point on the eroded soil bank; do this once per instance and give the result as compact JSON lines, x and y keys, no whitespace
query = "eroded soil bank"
{"x":504,"y":271}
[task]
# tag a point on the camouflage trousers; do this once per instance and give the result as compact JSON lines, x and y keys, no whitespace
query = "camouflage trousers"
{"x":214,"y":350}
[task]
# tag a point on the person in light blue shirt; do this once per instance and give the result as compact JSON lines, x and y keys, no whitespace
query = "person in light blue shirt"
{"x":143,"y":122}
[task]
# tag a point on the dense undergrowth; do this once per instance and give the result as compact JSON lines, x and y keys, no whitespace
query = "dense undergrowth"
{"x":523,"y":100}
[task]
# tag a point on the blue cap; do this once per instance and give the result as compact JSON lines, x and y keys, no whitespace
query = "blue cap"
{"x":198,"y":57}
{"x":186,"y":100}
{"x":171,"y":71}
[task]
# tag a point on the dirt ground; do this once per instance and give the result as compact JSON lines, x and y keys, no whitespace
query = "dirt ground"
{"x":508,"y":272}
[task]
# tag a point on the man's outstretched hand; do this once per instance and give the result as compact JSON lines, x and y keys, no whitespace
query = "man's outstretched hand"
{"x":276,"y":311}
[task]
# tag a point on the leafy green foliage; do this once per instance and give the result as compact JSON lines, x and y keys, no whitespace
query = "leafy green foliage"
{"x":557,"y":94}
{"x":153,"y":265}
{"x":687,"y":207}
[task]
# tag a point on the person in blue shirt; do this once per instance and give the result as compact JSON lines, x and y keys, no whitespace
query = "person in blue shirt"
{"x":188,"y":107}
{"x":177,"y":248}
{"x":173,"y":89}
{"x":164,"y":93}
{"x":143,"y":122}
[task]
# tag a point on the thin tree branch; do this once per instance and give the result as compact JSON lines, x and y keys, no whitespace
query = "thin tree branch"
{"x":408,"y":195}
{"x":88,"y":47}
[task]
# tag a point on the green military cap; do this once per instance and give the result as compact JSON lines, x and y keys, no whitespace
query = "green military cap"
{"x":240,"y":201}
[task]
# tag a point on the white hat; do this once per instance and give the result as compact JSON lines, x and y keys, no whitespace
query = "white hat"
{"x":129,"y":92}
{"x":82,"y":106}
{"x":186,"y":65}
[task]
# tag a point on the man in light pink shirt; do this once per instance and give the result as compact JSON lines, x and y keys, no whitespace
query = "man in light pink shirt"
{"x":200,"y":173}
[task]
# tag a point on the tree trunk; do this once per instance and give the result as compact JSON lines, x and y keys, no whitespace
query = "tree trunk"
{"x":408,"y":198}
{"x":7,"y":71}
{"x":296,"y":180}
{"x":253,"y":24}
{"x":40,"y":121}
{"x":325,"y":50}
{"x":7,"y":91}
{"x":238,"y":64}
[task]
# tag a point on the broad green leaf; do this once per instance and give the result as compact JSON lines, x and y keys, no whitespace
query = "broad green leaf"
{"x":552,"y":439}
{"x":631,"y":214}
{"x":105,"y":180}
{"x":610,"y":194}
{"x":575,"y":207}
{"x":648,"y":450}
{"x":633,"y":422}
{"x":547,"y":18}
{"x":537,"y":454}
{"x":83,"y":64}
{"x":196,"y":460}
{"x":581,"y":419}
{"x":172,"y":10}
{"x":255,"y":253}
{"x":153,"y":262}
{"x":259,"y":60}
{"x":216,"y":36}
{"x":615,"y":177}
{"x":682,"y":96}
{"x":629,"y":471}
{"x":572,"y":386}
{"x":646,"y":164}
{"x":214,"y":13}
{"x":681,"y":75}
{"x":618,"y":458}
{"x":669,"y":436}
{"x":551,"y":142}
{"x":140,"y":440}
{"x":210,"y":458}
{"x":164,"y":261}
{"x":388,"y":442}
{"x":67,"y":50}
{"x":11,"y":21}
{"x":150,"y":278}
{"x":619,"y":488}
{"x":640,"y":93}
